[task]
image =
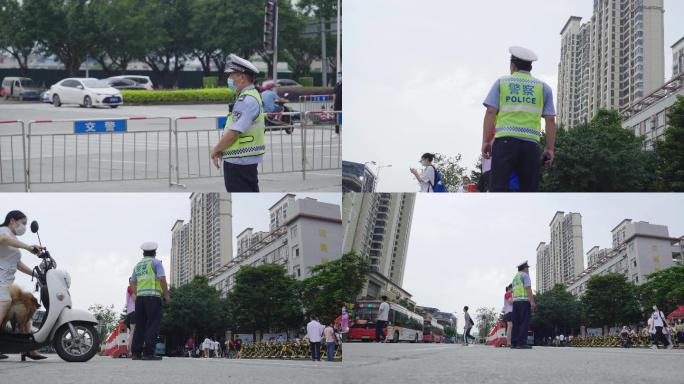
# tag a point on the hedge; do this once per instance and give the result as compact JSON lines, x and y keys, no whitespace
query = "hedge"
{"x":177,"y":96}
{"x":306,"y":81}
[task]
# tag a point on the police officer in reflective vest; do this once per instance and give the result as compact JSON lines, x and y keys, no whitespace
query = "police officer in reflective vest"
{"x":242,"y":146}
{"x":523,"y":305}
{"x":149,"y":282}
{"x":515,"y":106}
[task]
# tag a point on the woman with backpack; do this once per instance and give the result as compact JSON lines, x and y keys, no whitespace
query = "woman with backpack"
{"x":430,"y":179}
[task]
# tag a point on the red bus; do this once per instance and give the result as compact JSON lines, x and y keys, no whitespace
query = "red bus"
{"x":402,"y":324}
{"x":433,"y":332}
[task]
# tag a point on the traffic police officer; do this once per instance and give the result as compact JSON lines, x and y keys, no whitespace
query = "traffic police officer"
{"x":523,"y":305}
{"x":515,"y":106}
{"x":242,"y":146}
{"x":149,"y":282}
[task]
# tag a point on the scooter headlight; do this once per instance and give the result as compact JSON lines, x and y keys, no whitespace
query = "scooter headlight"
{"x":67,"y":279}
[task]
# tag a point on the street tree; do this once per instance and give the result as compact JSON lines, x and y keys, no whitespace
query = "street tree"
{"x":610,"y":301}
{"x":451,"y":170}
{"x":664,"y":288}
{"x":17,"y":35}
{"x":558,"y":311}
{"x":106,"y":318}
{"x":486,"y":319}
{"x":265,"y":298}
{"x":600,"y":156}
{"x":333,"y":284}
{"x":670,"y":151}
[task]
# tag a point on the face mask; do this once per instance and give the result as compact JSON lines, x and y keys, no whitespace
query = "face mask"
{"x":655,"y":308}
{"x":231,"y":84}
{"x":20,"y":230}
{"x":423,"y":163}
{"x":339,"y":79}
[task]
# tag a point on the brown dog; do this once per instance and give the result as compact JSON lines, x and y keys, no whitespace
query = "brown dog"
{"x":24,"y":306}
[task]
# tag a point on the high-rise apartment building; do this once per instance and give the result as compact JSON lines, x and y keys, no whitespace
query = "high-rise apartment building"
{"x":678,"y":58}
{"x":562,"y":258}
{"x":611,"y":61}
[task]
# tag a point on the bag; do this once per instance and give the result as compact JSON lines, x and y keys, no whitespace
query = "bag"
{"x":438,"y":187}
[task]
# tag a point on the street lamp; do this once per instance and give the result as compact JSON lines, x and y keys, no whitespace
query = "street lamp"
{"x":377,"y":173}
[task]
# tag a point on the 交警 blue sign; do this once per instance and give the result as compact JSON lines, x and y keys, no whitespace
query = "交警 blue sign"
{"x":221,"y":122}
{"x":101,"y":126}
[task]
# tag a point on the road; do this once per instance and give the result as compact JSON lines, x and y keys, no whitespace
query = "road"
{"x":139,"y":159}
{"x":169,"y":371}
{"x":450,"y":363}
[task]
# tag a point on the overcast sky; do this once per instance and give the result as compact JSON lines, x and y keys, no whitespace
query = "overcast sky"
{"x":97,"y":237}
{"x":464,"y":250}
{"x":416,"y":72}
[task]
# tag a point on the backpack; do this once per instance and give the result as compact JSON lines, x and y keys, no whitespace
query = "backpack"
{"x":438,"y":187}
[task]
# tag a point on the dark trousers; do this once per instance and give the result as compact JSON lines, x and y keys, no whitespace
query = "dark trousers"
{"x":315,"y":351}
{"x":522,"y":312}
{"x":379,"y":326}
{"x":241,"y":178}
{"x":467,"y":335}
{"x":659,"y":335}
{"x":147,"y":318}
{"x":514,"y":155}
{"x":330,"y":349}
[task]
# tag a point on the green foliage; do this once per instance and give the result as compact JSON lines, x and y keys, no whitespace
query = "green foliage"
{"x":210,"y":82}
{"x":600,"y":157}
{"x":451,"y":169}
{"x":450,"y":332}
{"x":610,"y":300}
{"x":558,"y":311}
{"x":17,"y":35}
{"x":177,"y":96}
{"x":334,"y":284}
{"x":670,"y":151}
{"x":486,"y":319}
{"x":265,"y":298}
{"x":196,"y":309}
{"x":106,"y":317}
{"x":306,"y":81}
{"x":664,"y":288}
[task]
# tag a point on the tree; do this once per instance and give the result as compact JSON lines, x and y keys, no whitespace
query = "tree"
{"x":451,"y":169}
{"x":17,"y":35}
{"x":664,"y":288}
{"x":558,"y":311}
{"x":476,"y":173}
{"x":106,"y":318}
{"x":486,"y":319}
{"x":334,"y":284}
{"x":670,"y":151}
{"x":265,"y":298}
{"x":600,"y":157}
{"x":610,"y":300}
{"x":196,"y":309}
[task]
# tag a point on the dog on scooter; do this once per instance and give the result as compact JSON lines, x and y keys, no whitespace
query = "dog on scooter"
{"x":24,"y":306}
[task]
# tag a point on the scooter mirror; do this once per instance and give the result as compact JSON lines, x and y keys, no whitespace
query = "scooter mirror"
{"x":34,"y":226}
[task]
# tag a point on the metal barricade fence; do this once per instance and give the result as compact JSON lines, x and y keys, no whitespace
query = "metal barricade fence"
{"x":193,"y":145}
{"x":311,"y":103}
{"x":322,"y":147}
{"x":95,"y":150}
{"x":13,"y":153}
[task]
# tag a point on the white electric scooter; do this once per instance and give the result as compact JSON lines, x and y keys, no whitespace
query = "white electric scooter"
{"x":71,"y":331}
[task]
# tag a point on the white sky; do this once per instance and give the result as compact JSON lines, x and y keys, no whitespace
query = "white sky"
{"x":97,"y":237}
{"x":464,"y":250}
{"x":416,"y":72}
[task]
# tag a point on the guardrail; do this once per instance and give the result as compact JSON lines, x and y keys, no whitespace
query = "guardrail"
{"x":13,"y":154}
{"x":322,"y":141}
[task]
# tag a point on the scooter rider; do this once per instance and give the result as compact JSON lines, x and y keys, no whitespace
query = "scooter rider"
{"x":10,"y":262}
{"x":271,"y":101}
{"x":149,"y":283}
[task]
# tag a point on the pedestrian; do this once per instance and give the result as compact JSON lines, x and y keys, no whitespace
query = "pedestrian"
{"x":344,"y":324}
{"x":523,"y":305}
{"x":314,"y":332}
{"x":129,"y":321}
{"x":205,"y":347}
{"x":10,"y":262}
{"x":337,"y":102}
{"x":515,"y":105}
{"x":242,"y":146}
{"x":149,"y":281}
{"x":238,"y":347}
{"x":468,"y":326}
{"x":190,"y":346}
{"x":465,"y":185}
{"x":508,"y":313}
{"x":381,"y":320}
{"x":659,"y":324}
{"x":330,"y":340}
{"x":429,"y":179}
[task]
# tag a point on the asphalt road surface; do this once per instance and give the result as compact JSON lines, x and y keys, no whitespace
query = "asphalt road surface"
{"x":139,"y":159}
{"x":169,"y":371}
{"x":453,"y":363}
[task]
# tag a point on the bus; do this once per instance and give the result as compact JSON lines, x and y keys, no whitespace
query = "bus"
{"x":402,"y":324}
{"x":433,"y":332}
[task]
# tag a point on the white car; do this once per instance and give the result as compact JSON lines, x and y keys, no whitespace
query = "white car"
{"x":86,"y":92}
{"x":144,"y":81}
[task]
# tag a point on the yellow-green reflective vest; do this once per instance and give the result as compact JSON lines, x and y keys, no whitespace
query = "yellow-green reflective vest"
{"x":252,"y":141}
{"x":147,"y":283}
{"x":521,"y":102}
{"x":519,"y":292}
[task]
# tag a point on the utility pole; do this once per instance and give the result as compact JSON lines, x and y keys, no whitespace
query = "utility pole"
{"x":324,"y":59}
{"x":275,"y":46}
{"x":339,"y":36}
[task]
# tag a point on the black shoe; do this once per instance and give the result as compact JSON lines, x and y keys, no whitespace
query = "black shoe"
{"x":135,"y":356}
{"x":524,"y":347}
{"x":151,"y":357}
{"x":3,"y":357}
{"x":32,"y":357}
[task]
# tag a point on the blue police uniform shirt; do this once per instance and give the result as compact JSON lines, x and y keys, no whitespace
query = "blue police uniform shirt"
{"x":245,"y":111}
{"x":158,"y":268}
{"x":269,"y":98}
{"x":492,"y":100}
{"x":527,"y":283}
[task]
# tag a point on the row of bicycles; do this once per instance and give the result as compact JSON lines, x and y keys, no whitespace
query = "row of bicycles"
{"x":614,"y":341}
{"x":289,"y":350}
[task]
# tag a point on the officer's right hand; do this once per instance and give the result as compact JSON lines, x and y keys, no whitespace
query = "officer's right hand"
{"x":167,"y":298}
{"x":533,"y":305}
{"x":548,"y":157}
{"x":487,"y":150}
